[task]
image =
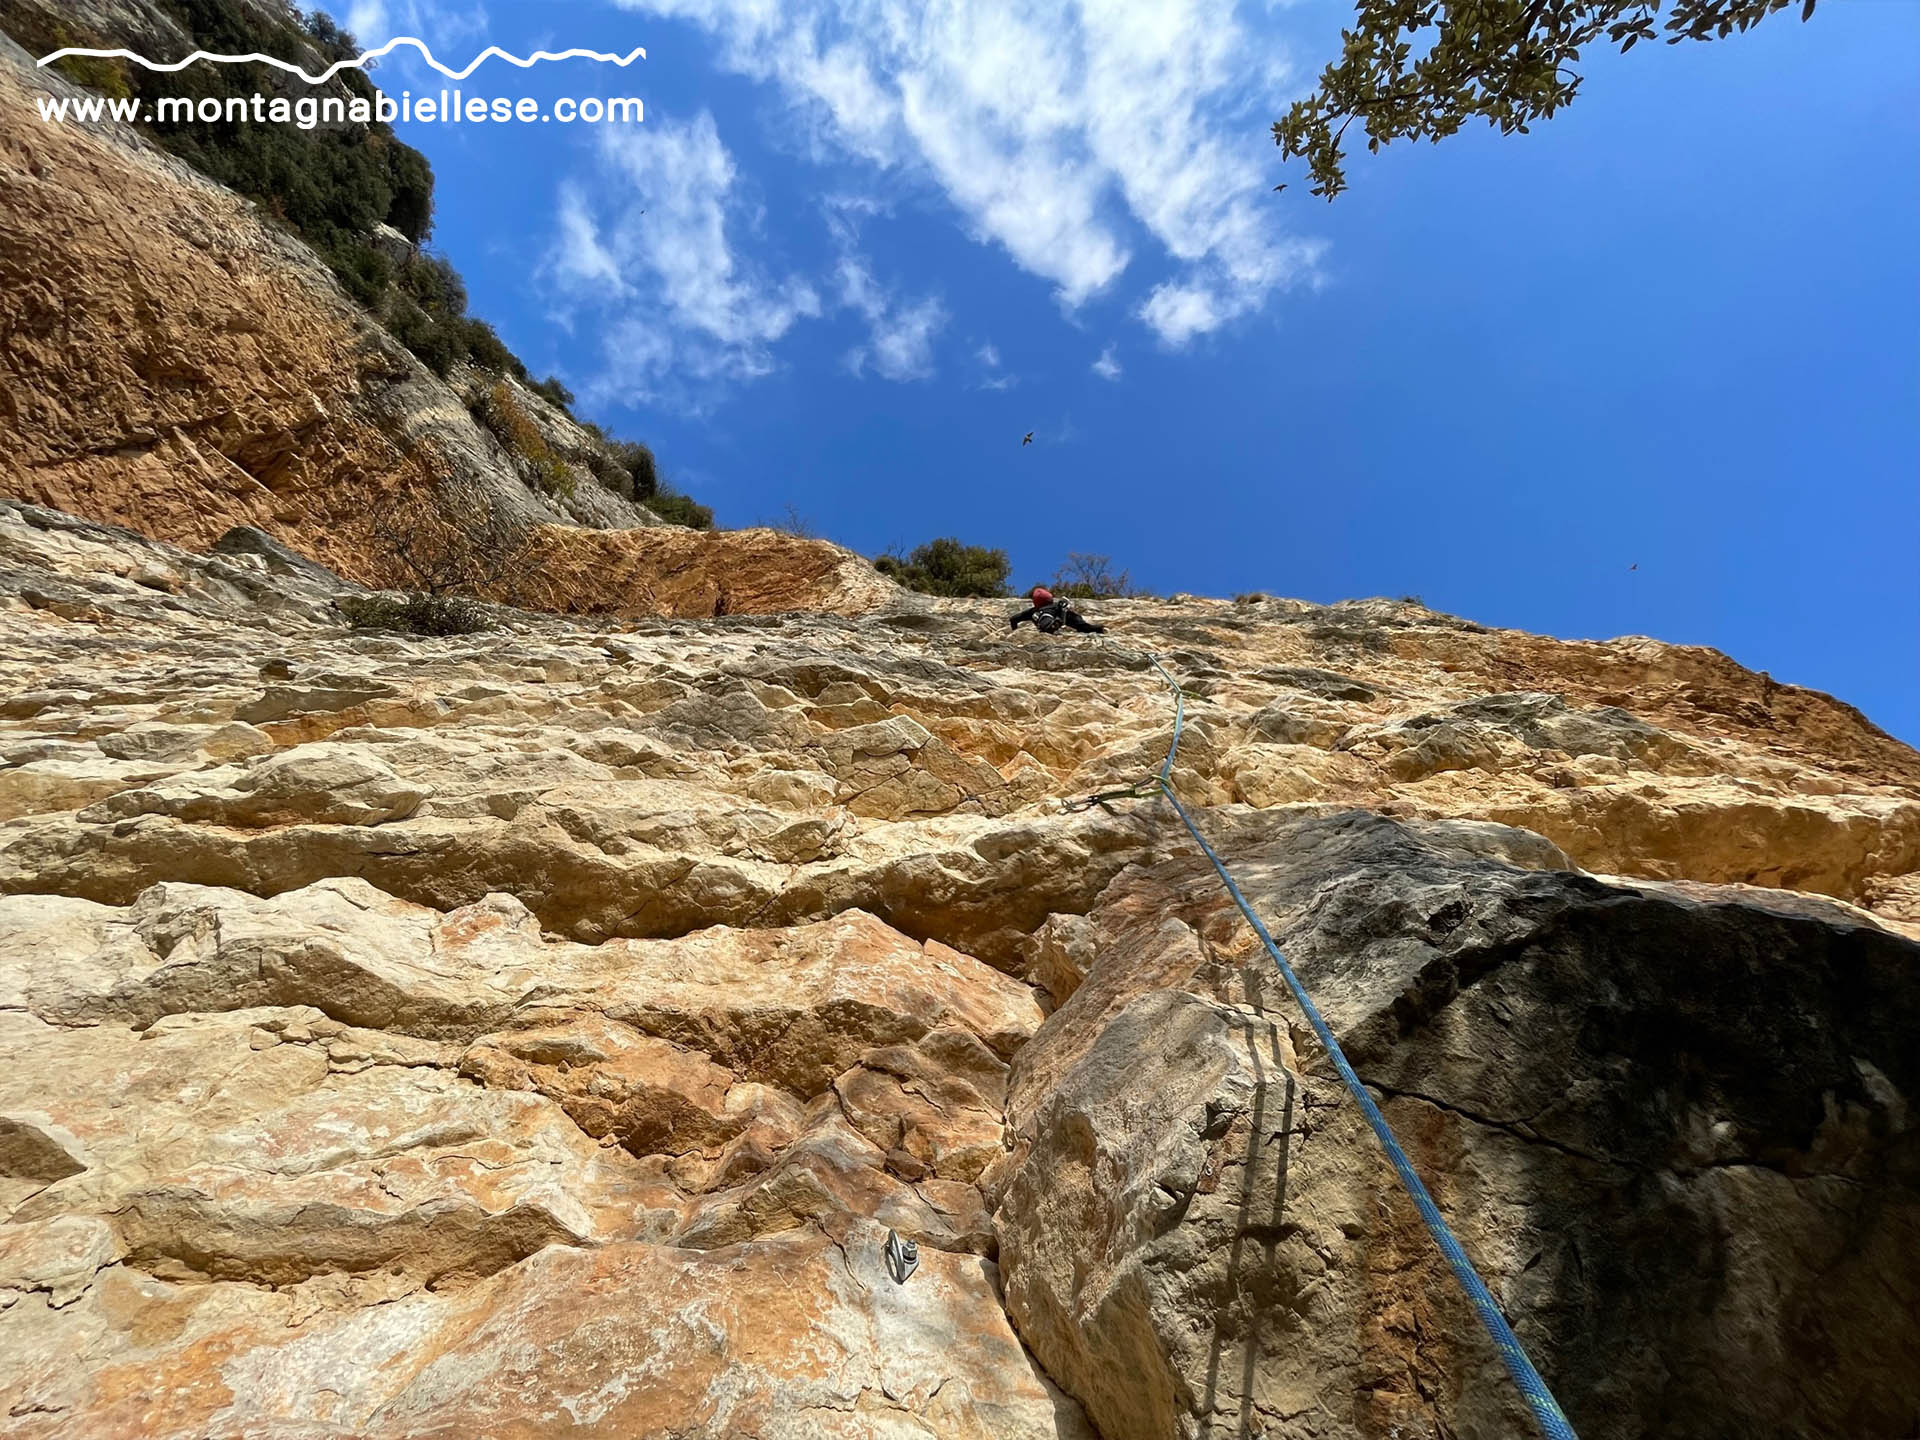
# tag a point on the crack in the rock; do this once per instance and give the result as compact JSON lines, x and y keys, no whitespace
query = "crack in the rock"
{"x":1522,"y":1131}
{"x":1519,"y":1130}
{"x":846,"y":1260}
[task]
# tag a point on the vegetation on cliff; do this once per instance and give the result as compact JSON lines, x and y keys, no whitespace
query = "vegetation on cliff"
{"x":335,"y":186}
{"x":516,"y":430}
{"x":1421,"y":69}
{"x":1092,"y":577}
{"x":332,"y":184}
{"x":948,"y":567}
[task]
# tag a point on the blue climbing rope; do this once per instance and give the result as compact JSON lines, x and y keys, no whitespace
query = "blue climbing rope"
{"x":1546,"y":1410}
{"x":1179,"y":719}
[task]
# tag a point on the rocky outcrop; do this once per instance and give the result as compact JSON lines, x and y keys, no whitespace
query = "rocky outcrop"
{"x":176,"y":363}
{"x":1671,"y":1127}
{"x":541,"y":1031}
{"x":670,"y":570}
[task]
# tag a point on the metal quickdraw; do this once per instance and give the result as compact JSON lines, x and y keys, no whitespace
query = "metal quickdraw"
{"x":1148,"y":789}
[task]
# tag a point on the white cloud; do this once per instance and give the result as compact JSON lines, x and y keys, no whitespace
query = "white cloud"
{"x":900,"y":335}
{"x":580,"y":261}
{"x":988,"y":355}
{"x":1107,"y":367}
{"x":1179,"y":312}
{"x":657,"y":259}
{"x":1059,"y":132}
{"x":846,"y":213}
{"x":902,"y":344}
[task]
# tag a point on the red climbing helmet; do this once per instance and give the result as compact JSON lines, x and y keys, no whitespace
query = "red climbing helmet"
{"x":1041,"y":595}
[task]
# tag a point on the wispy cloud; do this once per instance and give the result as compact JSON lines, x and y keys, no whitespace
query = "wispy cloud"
{"x":1107,"y":367}
{"x":994,"y":377}
{"x":651,"y":250}
{"x":580,"y":260}
{"x":901,"y":332}
{"x":1060,"y":133}
{"x":900,"y":335}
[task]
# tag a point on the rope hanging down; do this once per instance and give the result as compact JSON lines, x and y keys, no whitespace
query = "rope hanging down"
{"x":1546,"y":1410}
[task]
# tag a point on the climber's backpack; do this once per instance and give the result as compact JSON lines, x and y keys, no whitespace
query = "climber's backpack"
{"x":1046,"y":620}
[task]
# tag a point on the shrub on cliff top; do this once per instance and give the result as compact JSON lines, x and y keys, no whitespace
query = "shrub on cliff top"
{"x":640,"y":466}
{"x":677,"y":509}
{"x":947,"y":567}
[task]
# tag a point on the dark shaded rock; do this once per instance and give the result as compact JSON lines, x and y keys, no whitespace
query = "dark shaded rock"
{"x":1674,"y":1129}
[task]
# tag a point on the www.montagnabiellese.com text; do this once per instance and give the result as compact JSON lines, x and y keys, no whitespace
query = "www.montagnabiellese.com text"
{"x":310,"y":112}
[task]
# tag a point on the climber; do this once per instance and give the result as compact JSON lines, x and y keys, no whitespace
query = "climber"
{"x":1049,"y":614}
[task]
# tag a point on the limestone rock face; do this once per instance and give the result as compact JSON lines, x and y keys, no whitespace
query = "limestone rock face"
{"x":621,"y":1339}
{"x":178,"y":363}
{"x":540,"y":1032}
{"x":1672,"y":1130}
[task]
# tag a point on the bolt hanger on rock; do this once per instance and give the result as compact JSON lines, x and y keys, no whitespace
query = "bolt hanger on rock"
{"x":903,"y":1257}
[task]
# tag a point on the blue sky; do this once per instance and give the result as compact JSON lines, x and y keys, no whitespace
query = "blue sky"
{"x":857,"y":251}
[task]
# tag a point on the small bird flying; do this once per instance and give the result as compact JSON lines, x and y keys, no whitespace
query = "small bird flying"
{"x":1029,"y":439}
{"x":1634,"y":566}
